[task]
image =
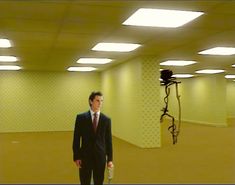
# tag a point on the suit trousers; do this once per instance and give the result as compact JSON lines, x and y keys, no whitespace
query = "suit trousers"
{"x":95,"y":168}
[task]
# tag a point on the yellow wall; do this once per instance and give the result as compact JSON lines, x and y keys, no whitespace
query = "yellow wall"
{"x":150,"y":103}
{"x":230,"y":99}
{"x":132,"y":100}
{"x":43,"y":101}
{"x":203,"y":100}
{"x":50,"y":101}
{"x":121,"y":88}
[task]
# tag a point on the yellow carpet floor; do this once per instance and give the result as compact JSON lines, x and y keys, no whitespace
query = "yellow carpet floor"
{"x":203,"y":154}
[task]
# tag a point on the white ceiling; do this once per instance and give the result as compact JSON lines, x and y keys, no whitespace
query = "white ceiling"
{"x":50,"y":35}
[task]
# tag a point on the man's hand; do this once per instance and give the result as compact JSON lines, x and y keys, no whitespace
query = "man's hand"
{"x":110,"y":164}
{"x":78,"y":163}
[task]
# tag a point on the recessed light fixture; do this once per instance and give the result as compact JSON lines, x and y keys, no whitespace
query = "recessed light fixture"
{"x":9,"y":67}
{"x":182,"y":75}
{"x":81,"y":69}
{"x":177,"y":63}
{"x":5,"y":43}
{"x":219,"y":51}
{"x":210,"y":71}
{"x":8,"y":59}
{"x":161,"y":17}
{"x":233,"y":65}
{"x":118,"y":47}
{"x":229,"y":76}
{"x":94,"y":60}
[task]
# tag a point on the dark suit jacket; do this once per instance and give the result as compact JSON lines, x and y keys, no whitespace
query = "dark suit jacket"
{"x":88,"y":145}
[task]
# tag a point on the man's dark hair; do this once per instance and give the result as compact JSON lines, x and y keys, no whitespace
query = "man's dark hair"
{"x":93,"y":95}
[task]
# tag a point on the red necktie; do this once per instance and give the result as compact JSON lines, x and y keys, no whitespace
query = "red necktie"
{"x":94,"y":121}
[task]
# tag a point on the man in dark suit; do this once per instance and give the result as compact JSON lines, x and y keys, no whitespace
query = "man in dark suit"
{"x":92,"y":142}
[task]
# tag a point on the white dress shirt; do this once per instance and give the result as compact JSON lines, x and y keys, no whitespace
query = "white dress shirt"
{"x":92,"y":116}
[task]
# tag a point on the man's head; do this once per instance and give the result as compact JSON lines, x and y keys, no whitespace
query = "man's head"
{"x":95,"y":101}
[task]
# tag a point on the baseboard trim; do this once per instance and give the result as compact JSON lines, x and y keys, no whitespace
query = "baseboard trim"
{"x":202,"y":123}
{"x":206,"y":123}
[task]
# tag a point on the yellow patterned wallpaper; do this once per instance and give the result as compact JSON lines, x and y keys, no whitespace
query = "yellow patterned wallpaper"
{"x":132,"y":93}
{"x":230,"y":99}
{"x":50,"y":101}
{"x":44,"y":101}
{"x":150,"y":103}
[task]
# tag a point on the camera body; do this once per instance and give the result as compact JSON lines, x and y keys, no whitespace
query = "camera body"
{"x":166,"y":76}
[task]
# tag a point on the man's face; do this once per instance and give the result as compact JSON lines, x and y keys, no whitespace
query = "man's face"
{"x":96,"y":103}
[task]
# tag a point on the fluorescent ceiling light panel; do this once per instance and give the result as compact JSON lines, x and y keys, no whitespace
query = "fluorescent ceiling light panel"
{"x":182,"y":75}
{"x":8,"y":59}
{"x":118,"y":47}
{"x":210,"y":71}
{"x":94,"y":60}
{"x":219,"y":51}
{"x":10,"y":67}
{"x":5,"y":43}
{"x":81,"y":69}
{"x":161,"y":17}
{"x":177,"y":63}
{"x":229,"y":76}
